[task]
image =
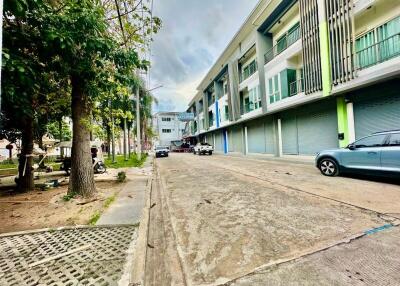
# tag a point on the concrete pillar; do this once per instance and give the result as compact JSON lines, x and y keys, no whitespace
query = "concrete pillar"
{"x":279,"y":138}
{"x":263,"y":45}
{"x":246,"y":142}
{"x":324,"y":48}
{"x":343,"y":126}
{"x":350,"y":122}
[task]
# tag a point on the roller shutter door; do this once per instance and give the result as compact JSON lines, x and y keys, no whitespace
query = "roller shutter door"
{"x":317,"y":129}
{"x":236,"y":142}
{"x":310,"y":129}
{"x":269,"y":137}
{"x":219,"y":141}
{"x":256,"y":137}
{"x":379,"y":111}
{"x":210,"y":139}
{"x":289,"y":135}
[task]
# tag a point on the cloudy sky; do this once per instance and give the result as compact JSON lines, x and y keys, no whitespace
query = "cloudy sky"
{"x":193,"y":36}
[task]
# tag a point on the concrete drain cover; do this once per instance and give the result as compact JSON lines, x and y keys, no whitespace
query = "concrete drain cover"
{"x":70,"y":256}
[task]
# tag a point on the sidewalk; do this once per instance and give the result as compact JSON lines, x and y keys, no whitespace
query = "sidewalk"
{"x":129,"y":204}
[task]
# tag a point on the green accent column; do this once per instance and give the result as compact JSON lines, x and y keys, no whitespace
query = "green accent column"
{"x":325,"y":57}
{"x":343,"y":126}
{"x":324,"y":46}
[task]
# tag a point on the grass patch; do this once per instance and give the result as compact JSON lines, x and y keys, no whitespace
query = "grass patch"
{"x":94,"y":218}
{"x":109,"y":201}
{"x":7,"y":165}
{"x":68,"y":197}
{"x":121,"y":163}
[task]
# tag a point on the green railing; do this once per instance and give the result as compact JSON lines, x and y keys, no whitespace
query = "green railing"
{"x":289,"y":39}
{"x":380,"y":52}
{"x":296,"y":87}
{"x":251,"y":106}
{"x":249,"y":71}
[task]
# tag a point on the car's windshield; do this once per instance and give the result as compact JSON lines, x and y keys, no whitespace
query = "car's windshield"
{"x":161,"y":148}
{"x":205,"y":144}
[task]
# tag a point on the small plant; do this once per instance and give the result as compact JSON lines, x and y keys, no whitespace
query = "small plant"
{"x":121,"y":177}
{"x":94,"y":218}
{"x":68,"y":197}
{"x":109,"y":201}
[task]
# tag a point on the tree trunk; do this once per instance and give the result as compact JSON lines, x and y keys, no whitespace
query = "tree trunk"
{"x":40,"y":143}
{"x":82,"y":176}
{"x":125,"y":150}
{"x":129,"y":142}
{"x":25,"y":181}
{"x":61,"y":137}
{"x":108,"y":141}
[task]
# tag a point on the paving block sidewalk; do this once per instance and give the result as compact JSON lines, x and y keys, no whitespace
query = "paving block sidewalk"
{"x":129,"y":204}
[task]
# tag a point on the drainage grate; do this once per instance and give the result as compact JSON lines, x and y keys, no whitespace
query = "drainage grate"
{"x":101,"y":264}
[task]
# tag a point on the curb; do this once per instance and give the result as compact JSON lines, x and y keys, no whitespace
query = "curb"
{"x":137,"y":275}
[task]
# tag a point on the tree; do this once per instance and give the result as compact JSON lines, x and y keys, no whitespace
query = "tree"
{"x":96,"y":63}
{"x":27,"y":79}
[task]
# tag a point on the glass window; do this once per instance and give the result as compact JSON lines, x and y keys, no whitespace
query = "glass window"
{"x":395,"y":140}
{"x":371,"y":141}
{"x":166,"y":131}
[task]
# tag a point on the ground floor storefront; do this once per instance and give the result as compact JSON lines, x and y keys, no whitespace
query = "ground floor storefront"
{"x":308,"y":129}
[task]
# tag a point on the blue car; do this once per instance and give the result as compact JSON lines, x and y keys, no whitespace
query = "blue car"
{"x":377,"y":154}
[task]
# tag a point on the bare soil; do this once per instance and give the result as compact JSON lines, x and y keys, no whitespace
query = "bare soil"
{"x":48,"y":209}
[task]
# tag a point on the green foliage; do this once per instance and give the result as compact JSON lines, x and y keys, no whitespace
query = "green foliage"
{"x":68,"y":197}
{"x":54,"y":130}
{"x":94,"y":218}
{"x":121,"y":177}
{"x":109,"y":201}
{"x":121,"y":163}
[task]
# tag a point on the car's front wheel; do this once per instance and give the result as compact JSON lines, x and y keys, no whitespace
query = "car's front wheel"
{"x":329,"y":167}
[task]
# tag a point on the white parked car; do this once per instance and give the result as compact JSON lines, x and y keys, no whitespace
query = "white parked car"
{"x":202,"y":149}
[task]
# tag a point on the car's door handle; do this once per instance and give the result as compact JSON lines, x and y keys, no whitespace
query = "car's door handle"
{"x":372,"y":152}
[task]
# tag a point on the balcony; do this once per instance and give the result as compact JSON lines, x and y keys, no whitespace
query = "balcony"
{"x":283,"y":43}
{"x":296,"y":87}
{"x":250,"y":106}
{"x":248,"y":71}
{"x":379,"y":52}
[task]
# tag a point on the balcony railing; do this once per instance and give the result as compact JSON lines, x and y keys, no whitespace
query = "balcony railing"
{"x":380,"y":52}
{"x":296,"y":87}
{"x":285,"y":42}
{"x":251,"y":106}
{"x":248,"y":71}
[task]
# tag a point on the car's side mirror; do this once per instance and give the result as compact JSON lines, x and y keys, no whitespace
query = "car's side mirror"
{"x":351,"y":147}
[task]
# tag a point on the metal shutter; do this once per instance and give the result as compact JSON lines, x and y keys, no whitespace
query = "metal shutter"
{"x":377,"y":112}
{"x":289,"y":135}
{"x":317,"y":128}
{"x":219,"y":141}
{"x":237,"y":139}
{"x":269,"y":136}
{"x":256,"y":137}
{"x":210,"y":139}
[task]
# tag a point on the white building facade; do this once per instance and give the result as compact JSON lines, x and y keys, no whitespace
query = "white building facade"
{"x":168,"y":128}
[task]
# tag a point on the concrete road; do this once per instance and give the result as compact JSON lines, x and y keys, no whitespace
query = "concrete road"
{"x":241,"y":221}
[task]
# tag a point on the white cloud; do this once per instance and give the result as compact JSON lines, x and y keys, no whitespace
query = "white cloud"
{"x":194,"y":34}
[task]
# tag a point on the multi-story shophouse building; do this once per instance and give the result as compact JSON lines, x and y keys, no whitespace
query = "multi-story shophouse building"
{"x":301,"y":76}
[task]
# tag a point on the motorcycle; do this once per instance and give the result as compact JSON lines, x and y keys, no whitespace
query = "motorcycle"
{"x":98,"y":164}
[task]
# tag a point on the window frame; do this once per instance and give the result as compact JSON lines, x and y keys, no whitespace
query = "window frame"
{"x":383,"y":143}
{"x":390,"y":138}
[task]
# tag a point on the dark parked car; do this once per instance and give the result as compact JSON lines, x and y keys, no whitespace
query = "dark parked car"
{"x":162,"y":151}
{"x":377,"y":154}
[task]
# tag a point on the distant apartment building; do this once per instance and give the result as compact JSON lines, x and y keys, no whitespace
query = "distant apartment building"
{"x":168,"y":128}
{"x":301,"y":76}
